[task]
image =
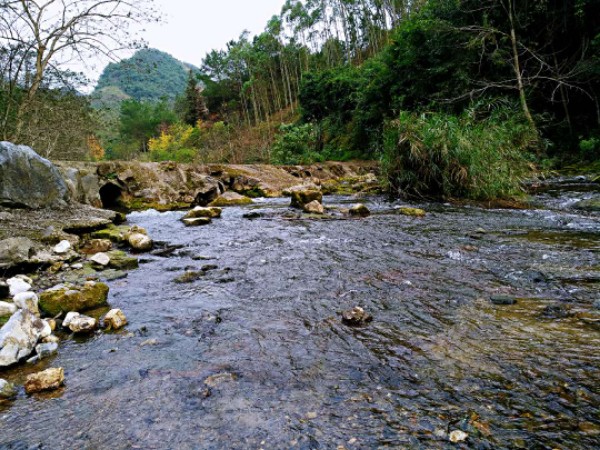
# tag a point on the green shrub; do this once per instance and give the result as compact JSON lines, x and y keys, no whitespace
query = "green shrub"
{"x":444,"y":156}
{"x":590,"y":148}
{"x":295,"y":144}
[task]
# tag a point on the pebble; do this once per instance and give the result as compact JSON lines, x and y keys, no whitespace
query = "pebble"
{"x":458,"y":436}
{"x":102,"y":259}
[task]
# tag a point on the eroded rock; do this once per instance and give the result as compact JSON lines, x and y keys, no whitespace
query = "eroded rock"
{"x":197,"y":222}
{"x":314,"y":207}
{"x":356,"y":316}
{"x":82,"y":324}
{"x":140,"y":242}
{"x":47,"y":380}
{"x":28,"y":180}
{"x":115,"y":319}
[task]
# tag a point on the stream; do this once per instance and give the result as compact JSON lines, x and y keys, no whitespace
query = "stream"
{"x":252,"y":353}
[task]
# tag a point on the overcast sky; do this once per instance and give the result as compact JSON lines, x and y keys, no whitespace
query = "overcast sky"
{"x":194,"y":27}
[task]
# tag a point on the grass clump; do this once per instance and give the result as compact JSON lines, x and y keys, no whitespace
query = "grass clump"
{"x":437,"y":155}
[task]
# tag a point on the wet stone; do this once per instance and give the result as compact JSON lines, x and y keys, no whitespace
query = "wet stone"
{"x":356,"y":316}
{"x":7,"y":390}
{"x":505,"y":300}
{"x":47,"y":380}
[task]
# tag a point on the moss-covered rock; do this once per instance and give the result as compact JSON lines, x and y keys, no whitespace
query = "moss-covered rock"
{"x":231,"y":199}
{"x":302,"y":198}
{"x":63,"y":299}
{"x":412,"y":212}
{"x":359,"y":210}
{"x":120,"y":260}
{"x":199,"y":211}
{"x":113,"y":233}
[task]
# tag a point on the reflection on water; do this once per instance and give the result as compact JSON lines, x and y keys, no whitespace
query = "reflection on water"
{"x":253,"y":354}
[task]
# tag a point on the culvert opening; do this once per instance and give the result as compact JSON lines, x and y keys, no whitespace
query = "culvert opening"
{"x":111,"y":196}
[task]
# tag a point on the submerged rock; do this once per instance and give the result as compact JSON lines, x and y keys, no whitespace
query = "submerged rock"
{"x":28,"y":180}
{"x":7,"y":390}
{"x":314,"y":207}
{"x":503,"y":300}
{"x":19,"y":337}
{"x":115,"y":319}
{"x":359,"y":210}
{"x":356,"y":316}
{"x":70,"y":298}
{"x":47,"y":380}
{"x":231,"y":199}
{"x":47,"y":349}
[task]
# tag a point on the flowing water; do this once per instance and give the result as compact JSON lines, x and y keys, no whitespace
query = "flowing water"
{"x":251,"y":352}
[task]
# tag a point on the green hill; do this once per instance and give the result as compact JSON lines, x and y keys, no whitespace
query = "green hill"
{"x":149,"y":75}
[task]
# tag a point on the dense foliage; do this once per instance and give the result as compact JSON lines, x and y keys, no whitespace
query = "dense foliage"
{"x":149,"y":75}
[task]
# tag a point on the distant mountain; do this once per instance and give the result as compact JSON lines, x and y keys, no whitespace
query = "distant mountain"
{"x":149,"y":75}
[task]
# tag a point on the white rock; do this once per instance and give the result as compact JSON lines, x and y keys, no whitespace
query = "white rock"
{"x":314,"y":207}
{"x":115,"y":319}
{"x":25,"y":278}
{"x":46,"y":330}
{"x":17,"y":285}
{"x":7,"y":309}
{"x":68,"y":318}
{"x":7,"y":390}
{"x":82,"y":324}
{"x":140,"y":242}
{"x":28,"y":301}
{"x":458,"y":436}
{"x":19,"y":336}
{"x":62,"y":247}
{"x":51,"y":339}
{"x":77,"y":266}
{"x":101,"y":259}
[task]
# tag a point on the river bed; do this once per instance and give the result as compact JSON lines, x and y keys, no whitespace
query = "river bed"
{"x":252,"y":354}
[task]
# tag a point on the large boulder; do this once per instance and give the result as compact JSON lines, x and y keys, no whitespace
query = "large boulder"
{"x":19,"y":337}
{"x":29,"y":181}
{"x":16,"y":251}
{"x":69,"y":298}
